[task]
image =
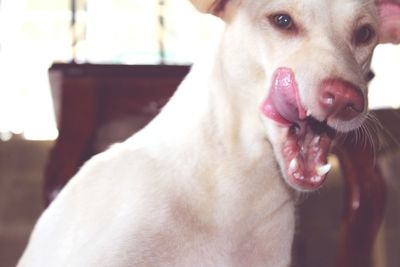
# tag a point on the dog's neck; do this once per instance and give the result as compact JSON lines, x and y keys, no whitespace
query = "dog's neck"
{"x":206,"y":120}
{"x":218,"y":110}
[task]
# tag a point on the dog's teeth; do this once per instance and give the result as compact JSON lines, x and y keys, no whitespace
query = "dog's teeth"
{"x":316,"y":140}
{"x":324,"y":169}
{"x":298,"y":176}
{"x":316,"y":179}
{"x":329,"y":100}
{"x":293,"y":165}
{"x":308,"y":113}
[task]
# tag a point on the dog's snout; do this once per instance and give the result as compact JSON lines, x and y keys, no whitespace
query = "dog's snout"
{"x":341,"y":99}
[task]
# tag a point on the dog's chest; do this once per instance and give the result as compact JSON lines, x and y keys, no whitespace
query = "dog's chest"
{"x":240,"y":243}
{"x":236,"y":236}
{"x":245,"y":219}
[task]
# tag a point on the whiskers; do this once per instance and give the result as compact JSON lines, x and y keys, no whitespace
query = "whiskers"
{"x":379,"y":133}
{"x":369,"y":134}
{"x":366,"y":136}
{"x":385,"y":135}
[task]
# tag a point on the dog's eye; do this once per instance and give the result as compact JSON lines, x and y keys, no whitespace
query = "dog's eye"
{"x":363,"y":35}
{"x":282,"y":21}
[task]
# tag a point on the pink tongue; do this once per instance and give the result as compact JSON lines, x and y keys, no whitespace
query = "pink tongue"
{"x":283,"y":102}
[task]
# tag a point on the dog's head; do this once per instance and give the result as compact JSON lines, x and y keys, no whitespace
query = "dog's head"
{"x":305,"y":66}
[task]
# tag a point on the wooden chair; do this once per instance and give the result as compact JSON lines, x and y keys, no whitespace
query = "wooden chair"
{"x":97,"y":105}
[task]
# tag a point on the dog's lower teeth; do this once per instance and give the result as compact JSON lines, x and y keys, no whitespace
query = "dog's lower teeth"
{"x":316,"y":140}
{"x":324,"y":169}
{"x":316,"y":179}
{"x":293,"y":165}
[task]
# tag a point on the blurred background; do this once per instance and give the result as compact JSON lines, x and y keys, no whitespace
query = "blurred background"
{"x":93,"y":37}
{"x":36,"y":33}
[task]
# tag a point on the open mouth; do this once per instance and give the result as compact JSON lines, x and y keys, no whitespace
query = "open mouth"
{"x":306,"y":144}
{"x":305,"y":153}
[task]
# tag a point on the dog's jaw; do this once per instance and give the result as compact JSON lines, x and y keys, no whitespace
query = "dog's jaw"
{"x":304,"y":141}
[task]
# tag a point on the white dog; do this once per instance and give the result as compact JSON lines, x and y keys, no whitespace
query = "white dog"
{"x":211,"y":181}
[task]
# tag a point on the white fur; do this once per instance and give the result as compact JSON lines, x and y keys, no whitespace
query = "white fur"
{"x":201,"y":184}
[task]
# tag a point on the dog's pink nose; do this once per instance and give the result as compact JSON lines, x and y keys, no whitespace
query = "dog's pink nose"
{"x":341,"y":99}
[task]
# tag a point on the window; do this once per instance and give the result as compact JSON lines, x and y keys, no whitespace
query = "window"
{"x":36,"y":33}
{"x":384,"y":90}
{"x":32,"y":35}
{"x":129,"y":32}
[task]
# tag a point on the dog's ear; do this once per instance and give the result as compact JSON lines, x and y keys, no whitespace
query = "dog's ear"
{"x":389,"y":21}
{"x":215,"y":7}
